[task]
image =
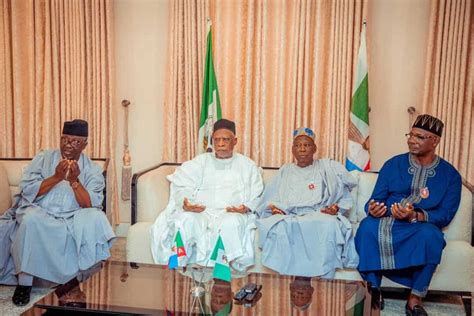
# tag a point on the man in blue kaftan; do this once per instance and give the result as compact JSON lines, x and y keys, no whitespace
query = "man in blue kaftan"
{"x":56,"y":230}
{"x":416,"y":195}
{"x":302,"y":227}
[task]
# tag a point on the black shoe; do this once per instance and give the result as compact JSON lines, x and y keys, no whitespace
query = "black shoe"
{"x":21,"y":297}
{"x":377,"y":299}
{"x":417,"y":310}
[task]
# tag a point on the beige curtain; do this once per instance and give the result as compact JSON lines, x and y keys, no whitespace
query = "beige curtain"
{"x":279,"y":65}
{"x":56,"y":64}
{"x":449,"y":80}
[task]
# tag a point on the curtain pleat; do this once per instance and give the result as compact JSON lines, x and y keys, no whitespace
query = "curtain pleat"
{"x":448,"y":92}
{"x":56,"y":64}
{"x":279,"y":65}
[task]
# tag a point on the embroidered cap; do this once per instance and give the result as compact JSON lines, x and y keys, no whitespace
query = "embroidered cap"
{"x":429,"y":123}
{"x":76,"y":128}
{"x":303,"y":131}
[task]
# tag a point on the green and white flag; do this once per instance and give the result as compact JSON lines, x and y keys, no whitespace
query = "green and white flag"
{"x":211,"y":104}
{"x":355,"y":304}
{"x":358,"y":157}
{"x":221,"y":267}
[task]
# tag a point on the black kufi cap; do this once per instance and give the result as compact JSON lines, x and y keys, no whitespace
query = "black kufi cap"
{"x":226,"y":124}
{"x":429,"y":123}
{"x":76,"y":128}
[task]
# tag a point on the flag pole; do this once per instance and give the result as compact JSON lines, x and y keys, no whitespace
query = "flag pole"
{"x":210,"y":115}
{"x":210,"y":107}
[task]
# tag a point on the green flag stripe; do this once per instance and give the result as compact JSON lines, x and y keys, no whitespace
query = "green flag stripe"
{"x":357,"y":309}
{"x":360,"y":101}
{"x":222,"y":272}
{"x":178,"y":240}
{"x":210,"y":84}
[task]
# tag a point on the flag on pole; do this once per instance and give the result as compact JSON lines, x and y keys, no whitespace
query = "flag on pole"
{"x":178,"y":252}
{"x":221,"y":267}
{"x":211,"y":104}
{"x":358,"y":157}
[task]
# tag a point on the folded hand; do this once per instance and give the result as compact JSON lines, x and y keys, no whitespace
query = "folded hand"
{"x":275,"y":210}
{"x":242,"y":209}
{"x":377,"y":209}
{"x":187,"y":206}
{"x":331,"y":210}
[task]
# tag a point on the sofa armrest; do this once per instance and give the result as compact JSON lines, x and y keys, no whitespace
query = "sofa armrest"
{"x":150,"y":189}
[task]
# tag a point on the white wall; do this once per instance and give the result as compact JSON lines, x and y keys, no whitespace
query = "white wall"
{"x":397,"y":35}
{"x":141,"y":29}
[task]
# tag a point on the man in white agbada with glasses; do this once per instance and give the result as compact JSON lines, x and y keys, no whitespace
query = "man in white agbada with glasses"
{"x":214,"y":193}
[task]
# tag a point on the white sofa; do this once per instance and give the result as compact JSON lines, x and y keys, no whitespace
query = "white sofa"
{"x":150,"y":190}
{"x":11,"y":170}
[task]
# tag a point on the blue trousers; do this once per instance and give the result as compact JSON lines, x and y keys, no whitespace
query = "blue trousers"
{"x":417,"y":278}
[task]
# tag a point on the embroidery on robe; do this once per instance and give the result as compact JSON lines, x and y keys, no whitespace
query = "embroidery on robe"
{"x":387,"y":258}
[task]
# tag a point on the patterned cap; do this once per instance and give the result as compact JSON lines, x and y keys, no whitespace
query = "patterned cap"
{"x":429,"y":123}
{"x":304,"y":131}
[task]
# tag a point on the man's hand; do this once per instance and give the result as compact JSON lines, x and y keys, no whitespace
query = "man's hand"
{"x":61,"y":170}
{"x":377,"y":209}
{"x":242,"y":209}
{"x":275,"y":210}
{"x":74,"y":171}
{"x":403,"y":213}
{"x":331,"y":210}
{"x":192,"y":207}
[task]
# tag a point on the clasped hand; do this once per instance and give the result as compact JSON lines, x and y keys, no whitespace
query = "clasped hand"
{"x":65,"y":165}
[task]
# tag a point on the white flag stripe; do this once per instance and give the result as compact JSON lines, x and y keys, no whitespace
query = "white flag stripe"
{"x":360,"y":125}
{"x":361,"y":69}
{"x":220,"y":255}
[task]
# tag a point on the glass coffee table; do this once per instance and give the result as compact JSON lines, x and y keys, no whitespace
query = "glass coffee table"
{"x":144,"y":289}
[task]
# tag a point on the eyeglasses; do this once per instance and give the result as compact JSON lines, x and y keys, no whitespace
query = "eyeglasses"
{"x":226,"y":140}
{"x":303,"y":146}
{"x":74,"y":142}
{"x":418,"y":137}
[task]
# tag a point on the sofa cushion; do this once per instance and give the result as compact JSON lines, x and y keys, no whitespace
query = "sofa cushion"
{"x":352,"y":214}
{"x":365,"y":187}
{"x":5,"y":194}
{"x":139,"y":243}
{"x":455,"y":271}
{"x":460,"y":226}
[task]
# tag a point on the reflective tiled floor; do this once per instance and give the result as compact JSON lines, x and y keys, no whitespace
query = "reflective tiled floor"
{"x":436,"y":305}
{"x":6,"y":292}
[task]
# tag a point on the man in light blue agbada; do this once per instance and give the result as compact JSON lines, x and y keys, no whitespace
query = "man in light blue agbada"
{"x":56,"y":230}
{"x":302,"y":227}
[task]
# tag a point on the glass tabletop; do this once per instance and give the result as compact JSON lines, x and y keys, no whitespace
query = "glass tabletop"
{"x":128,"y":288}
